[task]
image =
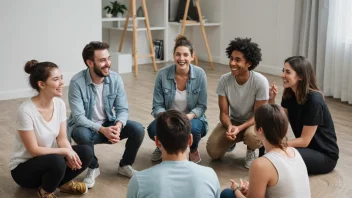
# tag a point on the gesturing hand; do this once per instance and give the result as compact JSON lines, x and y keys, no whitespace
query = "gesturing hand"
{"x":243,"y":186}
{"x":273,"y":91}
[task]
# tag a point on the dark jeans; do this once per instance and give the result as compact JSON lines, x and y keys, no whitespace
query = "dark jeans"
{"x":198,"y":131}
{"x":50,"y":171}
{"x":133,"y":131}
{"x":316,"y":162}
{"x":227,"y":193}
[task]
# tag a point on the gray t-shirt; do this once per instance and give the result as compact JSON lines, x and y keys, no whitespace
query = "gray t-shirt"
{"x":175,"y":179}
{"x":242,"y":97}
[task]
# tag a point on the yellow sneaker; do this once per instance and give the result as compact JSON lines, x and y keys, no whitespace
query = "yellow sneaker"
{"x":71,"y":187}
{"x":46,"y":195}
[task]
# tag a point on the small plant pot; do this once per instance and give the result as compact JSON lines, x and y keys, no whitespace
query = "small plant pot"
{"x":119,"y":15}
{"x":108,"y":15}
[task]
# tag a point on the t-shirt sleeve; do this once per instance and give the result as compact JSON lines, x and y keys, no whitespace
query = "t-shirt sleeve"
{"x":24,"y":121}
{"x":62,"y":109}
{"x":284,"y":103}
{"x":262,"y":88}
{"x":220,"y":90}
{"x":314,"y":111}
{"x":133,"y":187}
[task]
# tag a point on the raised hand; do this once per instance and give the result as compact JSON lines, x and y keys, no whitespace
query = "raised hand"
{"x":273,"y":91}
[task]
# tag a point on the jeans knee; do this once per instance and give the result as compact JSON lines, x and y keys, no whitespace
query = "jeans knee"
{"x":137,"y":130}
{"x":82,"y":135}
{"x":152,"y":130}
{"x":227,"y":193}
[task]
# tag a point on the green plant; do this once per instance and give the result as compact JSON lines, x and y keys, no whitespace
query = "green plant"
{"x":115,"y":8}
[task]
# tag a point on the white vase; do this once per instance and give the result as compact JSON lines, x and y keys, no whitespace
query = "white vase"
{"x":108,"y":15}
{"x":119,"y":15}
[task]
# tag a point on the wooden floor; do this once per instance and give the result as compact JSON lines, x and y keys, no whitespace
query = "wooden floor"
{"x":140,"y":92}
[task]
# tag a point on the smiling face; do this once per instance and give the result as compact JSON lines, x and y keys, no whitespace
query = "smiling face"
{"x":183,"y":57}
{"x":289,"y":77}
{"x":101,"y":64}
{"x":238,"y":63}
{"x":53,"y":85}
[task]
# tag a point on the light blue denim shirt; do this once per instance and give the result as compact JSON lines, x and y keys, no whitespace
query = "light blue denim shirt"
{"x":82,"y":99}
{"x":165,"y":91}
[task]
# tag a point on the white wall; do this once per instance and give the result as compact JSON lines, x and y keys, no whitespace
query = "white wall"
{"x":45,"y":30}
{"x":269,"y":23}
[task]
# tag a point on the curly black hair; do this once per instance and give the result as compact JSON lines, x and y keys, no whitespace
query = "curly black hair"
{"x":250,"y":50}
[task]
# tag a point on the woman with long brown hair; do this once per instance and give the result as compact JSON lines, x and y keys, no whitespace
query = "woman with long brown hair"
{"x":309,"y":116}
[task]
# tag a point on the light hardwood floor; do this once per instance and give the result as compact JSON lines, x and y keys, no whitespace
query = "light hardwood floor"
{"x":140,"y":93}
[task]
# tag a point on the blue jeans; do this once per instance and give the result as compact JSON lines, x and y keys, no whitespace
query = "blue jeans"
{"x":227,"y":193}
{"x":198,"y":131}
{"x":134,"y":131}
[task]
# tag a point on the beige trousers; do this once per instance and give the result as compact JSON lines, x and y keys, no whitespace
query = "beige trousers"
{"x":218,"y":144}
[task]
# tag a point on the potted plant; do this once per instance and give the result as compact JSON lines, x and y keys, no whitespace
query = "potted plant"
{"x":116,"y":9}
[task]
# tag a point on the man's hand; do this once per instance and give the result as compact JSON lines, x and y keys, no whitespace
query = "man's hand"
{"x":190,"y":116}
{"x":112,"y":133}
{"x":231,"y":132}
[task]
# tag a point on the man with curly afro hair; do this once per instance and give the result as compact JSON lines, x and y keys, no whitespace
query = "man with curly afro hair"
{"x":240,"y":93}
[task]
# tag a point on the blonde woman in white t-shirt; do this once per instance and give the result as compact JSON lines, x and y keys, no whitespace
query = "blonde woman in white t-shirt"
{"x":43,"y":157}
{"x":281,"y":172}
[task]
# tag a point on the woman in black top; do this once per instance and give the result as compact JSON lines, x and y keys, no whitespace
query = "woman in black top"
{"x":309,"y":116}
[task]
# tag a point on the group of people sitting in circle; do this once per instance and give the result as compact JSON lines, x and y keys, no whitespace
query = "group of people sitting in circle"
{"x":43,"y":157}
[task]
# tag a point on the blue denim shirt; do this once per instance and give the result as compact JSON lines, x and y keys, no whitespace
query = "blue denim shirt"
{"x":165,"y":91}
{"x":82,"y":99}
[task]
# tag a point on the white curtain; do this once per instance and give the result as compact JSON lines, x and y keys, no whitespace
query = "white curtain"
{"x":337,"y":81}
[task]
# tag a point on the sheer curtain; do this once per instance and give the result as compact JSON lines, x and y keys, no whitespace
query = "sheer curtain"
{"x":337,"y":81}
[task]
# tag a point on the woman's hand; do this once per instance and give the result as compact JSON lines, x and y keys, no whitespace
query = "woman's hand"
{"x":272,"y":92}
{"x":72,"y":160}
{"x":243,"y":186}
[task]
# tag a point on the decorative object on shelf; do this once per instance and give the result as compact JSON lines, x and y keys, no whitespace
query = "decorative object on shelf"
{"x":116,"y":9}
{"x":140,"y":12}
{"x":192,"y":13}
{"x":108,"y":15}
{"x":159,"y":49}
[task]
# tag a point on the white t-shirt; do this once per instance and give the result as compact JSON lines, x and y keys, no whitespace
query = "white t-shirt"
{"x":99,"y":115}
{"x":242,"y":97}
{"x":180,"y":101}
{"x":29,"y":119}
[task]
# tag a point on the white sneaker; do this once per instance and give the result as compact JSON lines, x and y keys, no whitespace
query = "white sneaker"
{"x":156,"y":156}
{"x":250,"y":156}
{"x":89,"y":179}
{"x":127,"y":171}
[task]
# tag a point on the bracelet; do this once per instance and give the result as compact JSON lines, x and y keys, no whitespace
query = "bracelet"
{"x":237,"y":188}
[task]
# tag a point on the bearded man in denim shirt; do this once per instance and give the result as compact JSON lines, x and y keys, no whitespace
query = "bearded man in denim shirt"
{"x":99,"y":110}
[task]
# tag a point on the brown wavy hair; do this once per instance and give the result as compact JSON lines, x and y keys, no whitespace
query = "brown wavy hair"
{"x":308,"y":82}
{"x":273,"y":120}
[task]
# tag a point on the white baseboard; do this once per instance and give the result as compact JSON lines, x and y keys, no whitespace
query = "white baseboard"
{"x":29,"y":92}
